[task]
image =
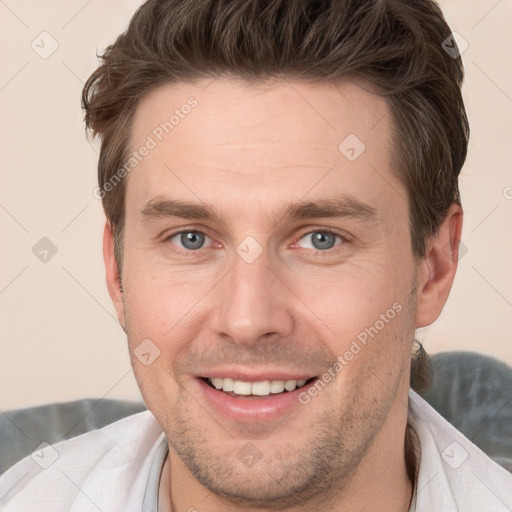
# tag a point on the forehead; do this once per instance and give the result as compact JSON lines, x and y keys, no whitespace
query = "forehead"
{"x":235,"y":110}
{"x":220,"y":139}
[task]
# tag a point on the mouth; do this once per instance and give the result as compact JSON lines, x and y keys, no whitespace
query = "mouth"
{"x":255,"y":389}
{"x":252,"y":402}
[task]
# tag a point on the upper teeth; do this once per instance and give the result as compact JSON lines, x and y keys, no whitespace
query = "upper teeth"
{"x":261,"y":388}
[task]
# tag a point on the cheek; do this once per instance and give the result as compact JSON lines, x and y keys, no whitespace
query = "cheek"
{"x":368,"y":320}
{"x":356,"y":297}
{"x":162,"y":317}
{"x":160,"y":301}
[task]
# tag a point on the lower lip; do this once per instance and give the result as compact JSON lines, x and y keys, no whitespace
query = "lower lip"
{"x":252,"y":409}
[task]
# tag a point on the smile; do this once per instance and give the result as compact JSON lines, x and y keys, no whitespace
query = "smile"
{"x":252,"y":401}
{"x":259,"y":388}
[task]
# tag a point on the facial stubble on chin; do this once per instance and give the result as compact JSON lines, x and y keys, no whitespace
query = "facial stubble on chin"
{"x":314,"y":470}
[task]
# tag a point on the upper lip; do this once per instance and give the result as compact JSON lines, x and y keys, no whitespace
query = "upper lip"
{"x":246,"y":375}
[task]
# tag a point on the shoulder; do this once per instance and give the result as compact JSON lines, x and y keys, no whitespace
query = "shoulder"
{"x":454,"y":473}
{"x":102,"y":466}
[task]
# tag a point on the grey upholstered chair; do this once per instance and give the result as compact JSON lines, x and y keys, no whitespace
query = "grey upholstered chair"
{"x":474,"y":393}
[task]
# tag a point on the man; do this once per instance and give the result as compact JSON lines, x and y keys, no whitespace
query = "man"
{"x":280,"y":185}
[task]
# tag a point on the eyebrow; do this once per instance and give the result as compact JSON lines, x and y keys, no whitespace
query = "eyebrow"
{"x":338,"y":207}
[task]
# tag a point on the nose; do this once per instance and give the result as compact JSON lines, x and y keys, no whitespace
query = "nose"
{"x":253,"y":301}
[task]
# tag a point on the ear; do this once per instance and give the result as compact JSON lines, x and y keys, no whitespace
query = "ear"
{"x":113,"y":283}
{"x":437,"y":270}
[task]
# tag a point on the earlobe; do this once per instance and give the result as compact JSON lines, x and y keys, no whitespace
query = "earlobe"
{"x":437,"y":269}
{"x":114,"y":285}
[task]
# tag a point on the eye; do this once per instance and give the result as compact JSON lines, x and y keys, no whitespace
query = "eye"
{"x":321,"y":239}
{"x":190,"y":240}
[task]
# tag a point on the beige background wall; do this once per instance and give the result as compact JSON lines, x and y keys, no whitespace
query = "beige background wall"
{"x":58,"y":333}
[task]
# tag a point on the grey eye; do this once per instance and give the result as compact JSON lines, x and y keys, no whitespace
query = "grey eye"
{"x":191,"y":240}
{"x":321,"y":240}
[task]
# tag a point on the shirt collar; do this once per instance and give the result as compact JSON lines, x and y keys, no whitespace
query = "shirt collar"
{"x":150,"y":503}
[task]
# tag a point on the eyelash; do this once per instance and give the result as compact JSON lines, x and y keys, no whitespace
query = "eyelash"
{"x":316,"y":253}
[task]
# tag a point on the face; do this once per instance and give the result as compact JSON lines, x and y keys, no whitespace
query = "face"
{"x":263,"y":247}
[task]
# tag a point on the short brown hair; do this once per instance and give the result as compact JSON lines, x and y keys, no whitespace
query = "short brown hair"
{"x":396,"y":46}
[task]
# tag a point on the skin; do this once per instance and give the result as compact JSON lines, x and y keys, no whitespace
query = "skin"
{"x":248,"y":150}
